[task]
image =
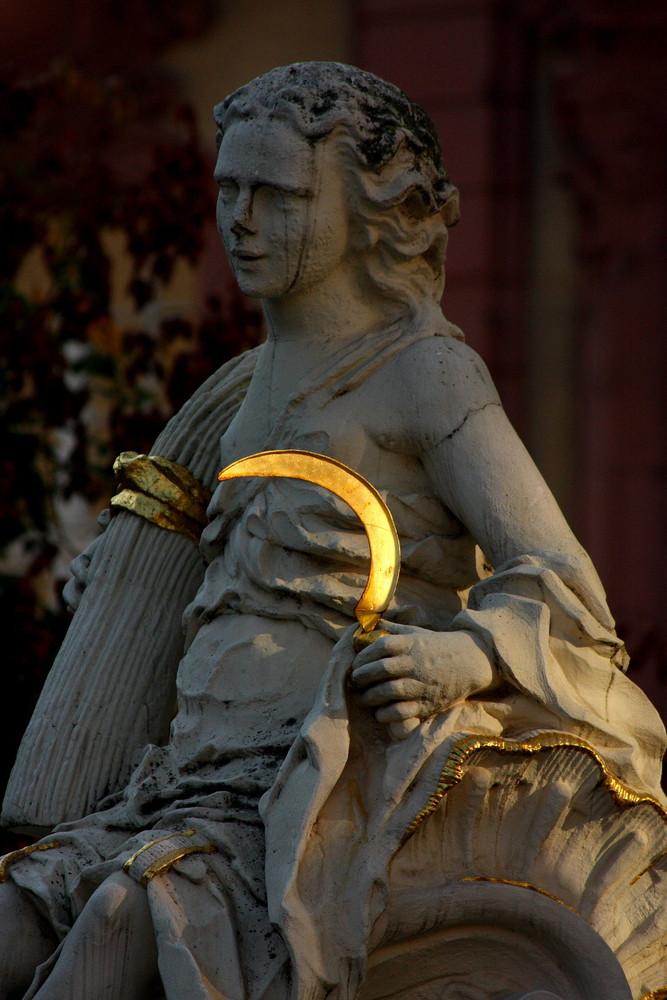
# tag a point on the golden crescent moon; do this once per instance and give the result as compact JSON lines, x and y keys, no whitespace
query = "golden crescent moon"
{"x":358,"y":494}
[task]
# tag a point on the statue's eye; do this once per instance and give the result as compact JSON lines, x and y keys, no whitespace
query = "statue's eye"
{"x":271,"y":197}
{"x":228,"y":189}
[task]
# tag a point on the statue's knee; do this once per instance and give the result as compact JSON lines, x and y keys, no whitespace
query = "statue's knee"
{"x":110,"y":950}
{"x":26,"y":939}
{"x":117,"y":901}
{"x":20,"y":919}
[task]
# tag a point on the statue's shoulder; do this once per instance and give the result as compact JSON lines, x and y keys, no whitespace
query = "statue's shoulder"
{"x":225,"y":389}
{"x":444,"y":357}
{"x":445,"y":378}
{"x":227,"y":385}
{"x":192,"y":436}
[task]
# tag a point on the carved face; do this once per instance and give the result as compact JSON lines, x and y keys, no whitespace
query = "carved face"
{"x":282,"y":210}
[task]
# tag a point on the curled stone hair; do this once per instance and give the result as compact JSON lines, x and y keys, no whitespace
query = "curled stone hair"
{"x":407,"y":199}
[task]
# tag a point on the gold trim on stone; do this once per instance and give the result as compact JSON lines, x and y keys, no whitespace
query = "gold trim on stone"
{"x":163,"y":864}
{"x":23,"y":852}
{"x":162,"y":492}
{"x":465,"y":748}
{"x":151,"y":843}
{"x":656,"y":994}
{"x":520,"y":885}
{"x":654,"y":861}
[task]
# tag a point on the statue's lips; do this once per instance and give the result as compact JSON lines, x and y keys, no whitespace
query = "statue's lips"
{"x":247,"y":255}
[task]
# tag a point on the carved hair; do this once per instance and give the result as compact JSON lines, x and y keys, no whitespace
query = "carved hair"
{"x":405,"y":199}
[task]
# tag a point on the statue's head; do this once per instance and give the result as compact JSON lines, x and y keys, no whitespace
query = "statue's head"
{"x":399,"y":198}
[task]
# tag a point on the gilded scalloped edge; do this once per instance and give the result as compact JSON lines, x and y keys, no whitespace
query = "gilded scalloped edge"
{"x":465,"y":748}
{"x":653,"y":861}
{"x":162,"y":492}
{"x":656,"y":994}
{"x":520,"y":885}
{"x":23,"y":852}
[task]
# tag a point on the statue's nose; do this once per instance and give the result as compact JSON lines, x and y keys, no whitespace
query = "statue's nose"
{"x":243,"y":214}
{"x":241,"y":228}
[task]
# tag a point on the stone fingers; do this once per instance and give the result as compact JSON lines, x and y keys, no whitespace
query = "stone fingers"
{"x":401,"y":689}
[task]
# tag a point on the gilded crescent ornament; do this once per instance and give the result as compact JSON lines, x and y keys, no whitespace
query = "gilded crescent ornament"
{"x":358,"y":494}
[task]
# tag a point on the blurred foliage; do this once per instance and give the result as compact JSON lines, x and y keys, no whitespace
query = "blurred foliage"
{"x":89,"y":164}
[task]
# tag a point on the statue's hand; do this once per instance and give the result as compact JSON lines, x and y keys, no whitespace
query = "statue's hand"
{"x":414,"y":673}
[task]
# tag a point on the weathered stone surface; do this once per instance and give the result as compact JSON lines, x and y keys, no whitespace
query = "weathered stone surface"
{"x":467,"y":808}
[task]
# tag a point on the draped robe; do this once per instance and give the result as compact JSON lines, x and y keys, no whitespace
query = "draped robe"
{"x":264,"y":712}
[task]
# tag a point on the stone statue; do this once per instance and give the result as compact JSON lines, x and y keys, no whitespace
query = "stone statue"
{"x":470,"y":806}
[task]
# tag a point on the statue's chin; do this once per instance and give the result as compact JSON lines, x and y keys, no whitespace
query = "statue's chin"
{"x":260,"y":286}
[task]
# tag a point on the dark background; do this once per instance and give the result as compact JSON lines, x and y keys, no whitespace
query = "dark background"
{"x":115,"y":302}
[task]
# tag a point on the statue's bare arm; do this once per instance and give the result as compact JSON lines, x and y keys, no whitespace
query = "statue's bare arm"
{"x":483,"y":474}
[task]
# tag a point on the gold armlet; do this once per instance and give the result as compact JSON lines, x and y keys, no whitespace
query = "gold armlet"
{"x":162,"y":492}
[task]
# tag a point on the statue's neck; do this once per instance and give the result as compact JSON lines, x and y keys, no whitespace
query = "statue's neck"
{"x":324,"y":317}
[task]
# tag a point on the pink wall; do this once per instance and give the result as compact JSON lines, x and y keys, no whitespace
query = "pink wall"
{"x":471,"y":64}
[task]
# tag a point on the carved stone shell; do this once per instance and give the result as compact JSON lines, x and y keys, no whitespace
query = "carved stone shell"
{"x":547,"y":883}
